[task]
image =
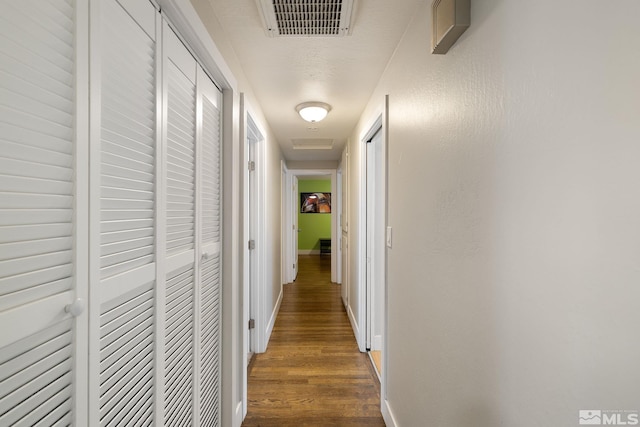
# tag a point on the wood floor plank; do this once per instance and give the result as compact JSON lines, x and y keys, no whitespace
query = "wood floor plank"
{"x":313,"y":374}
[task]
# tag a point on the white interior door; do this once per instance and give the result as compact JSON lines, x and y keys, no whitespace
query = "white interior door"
{"x":210,"y":214}
{"x":43,"y":348}
{"x":375,"y":241}
{"x":180,"y":73}
{"x":123,"y":214}
{"x":252,"y":231}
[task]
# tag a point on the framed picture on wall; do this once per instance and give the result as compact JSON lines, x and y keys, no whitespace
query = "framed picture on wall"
{"x":315,"y":202}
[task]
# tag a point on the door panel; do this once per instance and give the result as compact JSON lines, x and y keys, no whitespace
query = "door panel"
{"x":39,"y":348}
{"x":180,"y":310}
{"x":123,"y":162}
{"x":210,"y":307}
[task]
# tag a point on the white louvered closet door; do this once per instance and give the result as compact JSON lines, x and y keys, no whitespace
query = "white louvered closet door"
{"x":209,"y":99}
{"x":123,"y":216}
{"x":41,"y":251}
{"x":180,"y":291}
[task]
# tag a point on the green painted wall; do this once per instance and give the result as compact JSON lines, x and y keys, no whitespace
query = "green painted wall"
{"x":317,"y":225}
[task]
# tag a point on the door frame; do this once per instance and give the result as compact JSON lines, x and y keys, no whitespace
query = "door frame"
{"x":252,"y":272}
{"x":380,"y":122}
{"x":364,"y":274}
{"x":291,"y":206}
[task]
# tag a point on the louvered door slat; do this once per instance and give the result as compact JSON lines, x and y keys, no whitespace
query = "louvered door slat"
{"x":211,"y":173}
{"x":27,"y":230}
{"x":36,"y":371}
{"x":32,"y":95}
{"x":179,"y":346}
{"x":50,"y":393}
{"x":49,"y":411}
{"x":180,"y":161}
{"x":55,"y":415}
{"x":132,"y":382}
{"x":127,"y":350}
{"x":128,"y":140}
{"x":113,"y":172}
{"x":118,"y":344}
{"x":16,"y":144}
{"x":210,"y":342}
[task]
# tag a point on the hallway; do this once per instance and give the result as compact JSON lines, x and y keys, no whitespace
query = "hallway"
{"x":312,"y":374}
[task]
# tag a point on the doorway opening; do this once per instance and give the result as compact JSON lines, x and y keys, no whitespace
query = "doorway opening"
{"x":327,"y":244}
{"x":254,"y":318}
{"x":373,"y":232}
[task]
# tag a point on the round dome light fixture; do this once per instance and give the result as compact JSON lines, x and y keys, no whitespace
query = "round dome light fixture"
{"x":313,"y":111}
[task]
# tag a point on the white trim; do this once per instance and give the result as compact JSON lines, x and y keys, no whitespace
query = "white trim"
{"x":162,"y":86}
{"x":192,"y":30}
{"x":385,"y":318}
{"x":339,"y":233}
{"x":93,"y":305}
{"x":387,"y":413}
{"x":363,"y":300}
{"x":308,"y":251}
{"x":245,"y":272}
{"x":238,"y":415}
{"x":254,"y":280}
{"x":354,"y":323}
{"x":81,"y":212}
{"x":374,"y":364}
{"x":285,"y":249}
{"x":274,"y":315}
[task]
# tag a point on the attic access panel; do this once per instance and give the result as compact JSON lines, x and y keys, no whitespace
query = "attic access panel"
{"x":306,"y":18}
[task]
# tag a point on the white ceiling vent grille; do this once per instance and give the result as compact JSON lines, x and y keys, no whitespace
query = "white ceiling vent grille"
{"x":324,"y":18}
{"x":312,"y":144}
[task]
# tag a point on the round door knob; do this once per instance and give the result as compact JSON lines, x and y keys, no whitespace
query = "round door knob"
{"x":75,"y":308}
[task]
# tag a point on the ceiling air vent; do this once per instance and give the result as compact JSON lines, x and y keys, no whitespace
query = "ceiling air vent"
{"x":323,"y":18}
{"x":312,"y":144}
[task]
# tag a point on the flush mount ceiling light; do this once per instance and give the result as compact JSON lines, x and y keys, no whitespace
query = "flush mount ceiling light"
{"x":313,"y":111}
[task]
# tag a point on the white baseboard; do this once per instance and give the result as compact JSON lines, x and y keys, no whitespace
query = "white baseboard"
{"x":308,"y":251}
{"x":354,"y":326}
{"x":272,"y":320}
{"x":387,"y":414}
{"x":238,"y":417}
{"x":373,"y":363}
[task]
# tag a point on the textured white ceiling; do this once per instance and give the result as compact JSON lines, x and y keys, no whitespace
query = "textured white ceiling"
{"x":341,"y":71}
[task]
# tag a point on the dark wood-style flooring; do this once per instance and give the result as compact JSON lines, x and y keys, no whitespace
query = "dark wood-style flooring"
{"x":312,"y":373}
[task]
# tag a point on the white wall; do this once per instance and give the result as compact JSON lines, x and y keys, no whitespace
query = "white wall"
{"x":514,"y":197}
{"x":273,"y":214}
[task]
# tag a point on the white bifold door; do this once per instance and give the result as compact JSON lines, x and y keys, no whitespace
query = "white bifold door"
{"x":110,"y":207}
{"x":43,"y":245}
